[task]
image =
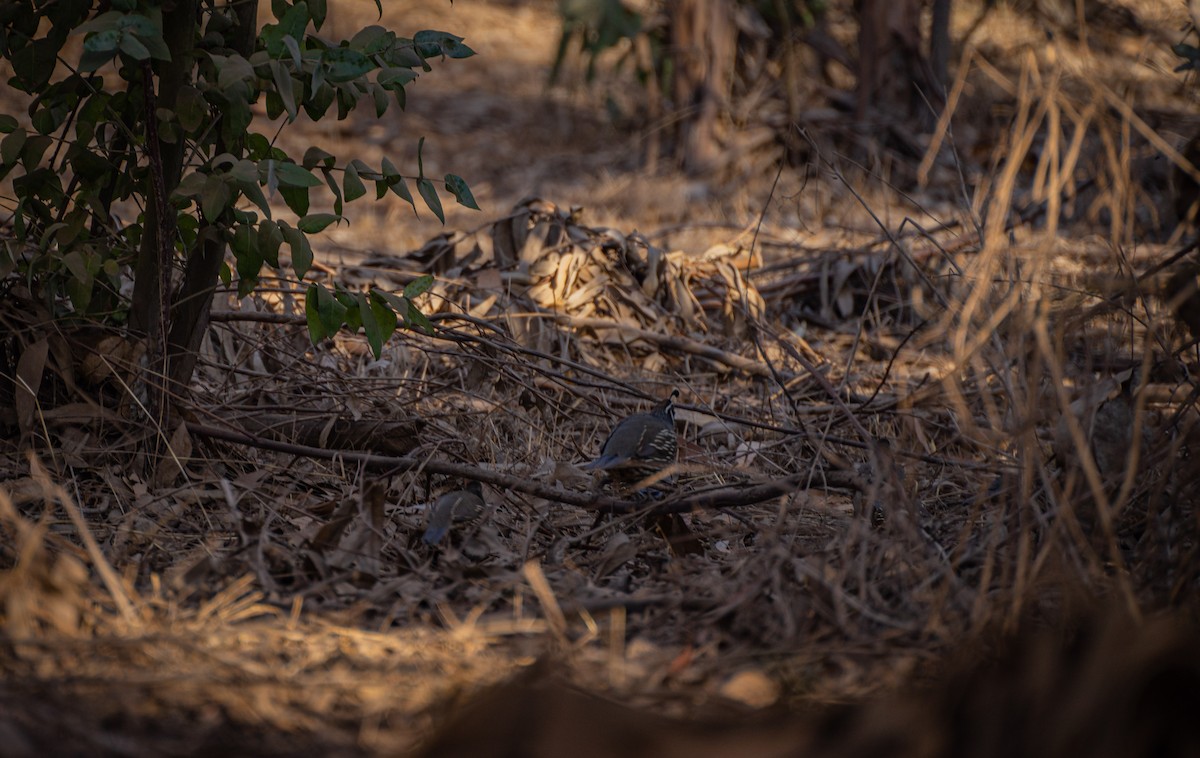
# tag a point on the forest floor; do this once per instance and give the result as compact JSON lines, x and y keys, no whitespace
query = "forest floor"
{"x":936,"y":389}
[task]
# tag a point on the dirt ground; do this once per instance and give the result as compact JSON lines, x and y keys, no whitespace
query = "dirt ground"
{"x":937,"y":411}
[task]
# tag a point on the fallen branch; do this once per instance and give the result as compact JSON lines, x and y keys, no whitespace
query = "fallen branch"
{"x":728,"y":497}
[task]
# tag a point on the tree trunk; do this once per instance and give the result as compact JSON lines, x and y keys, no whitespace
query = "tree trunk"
{"x":889,"y":58}
{"x":190,"y":308}
{"x":152,"y":270}
{"x":704,"y":37}
{"x":153,"y":267}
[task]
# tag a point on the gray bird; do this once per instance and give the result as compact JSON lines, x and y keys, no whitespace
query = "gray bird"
{"x":460,"y":505}
{"x":640,"y":445}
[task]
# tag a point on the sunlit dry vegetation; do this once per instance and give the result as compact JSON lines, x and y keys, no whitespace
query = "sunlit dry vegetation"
{"x":937,"y":376}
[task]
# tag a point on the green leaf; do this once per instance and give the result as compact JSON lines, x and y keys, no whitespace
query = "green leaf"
{"x":8,"y":124}
{"x":302,"y":255}
{"x":244,"y":217}
{"x":76,"y":264}
{"x":420,"y":160}
{"x":429,"y":194}
{"x":431,"y":43}
{"x":191,"y":108}
{"x":297,"y":199}
{"x":293,"y":47}
{"x":415,"y":318}
{"x":385,"y":322}
{"x":103,"y":42}
{"x":352,"y":185}
{"x":36,"y":62}
{"x":242,"y":171}
{"x":366,"y":171}
{"x":462,"y":193}
{"x":373,"y":39}
{"x":191,"y":185}
{"x":400,"y":188}
{"x":395,"y":182}
{"x":283,"y":87}
{"x":325,"y":315}
{"x":235,"y":121}
{"x":91,"y":61}
{"x":48,"y":119}
{"x":321,"y":98}
{"x":292,"y":175}
{"x":371,"y":325}
{"x":334,"y":189}
{"x":347,"y":97}
{"x":79,"y":287}
{"x":249,"y":258}
{"x":404,"y":54}
{"x":88,"y":165}
{"x":274,"y":102}
{"x":33,"y":150}
{"x":10,"y":146}
{"x":418,"y":286}
{"x":258,"y":148}
{"x":186,"y":224}
{"x":214,"y":198}
{"x":133,"y":47}
{"x":395,"y":302}
{"x":251,"y":189}
{"x":342,"y":64}
{"x":394,"y":78}
{"x":158,"y":48}
{"x":104,"y":22}
{"x":319,"y":12}
{"x":380,"y":96}
{"x":270,"y":237}
{"x":232,"y":70}
{"x":317,"y":222}
{"x":315,"y":155}
{"x":135,"y":23}
{"x":292,"y":23}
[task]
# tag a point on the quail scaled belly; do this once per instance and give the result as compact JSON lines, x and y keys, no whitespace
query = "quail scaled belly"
{"x":460,"y":505}
{"x":640,"y":445}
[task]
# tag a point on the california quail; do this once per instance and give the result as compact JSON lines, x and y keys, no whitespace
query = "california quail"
{"x":640,"y":445}
{"x":460,"y":505}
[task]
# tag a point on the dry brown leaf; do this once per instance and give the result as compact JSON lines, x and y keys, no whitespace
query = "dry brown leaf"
{"x":30,"y":369}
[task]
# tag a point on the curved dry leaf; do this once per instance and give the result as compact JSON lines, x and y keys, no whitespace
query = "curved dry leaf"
{"x":843,"y":296}
{"x":30,"y":368}
{"x":685,"y":304}
{"x":654,"y":271}
{"x":585,"y":296}
{"x":170,"y":465}
{"x":618,"y":551}
{"x":566,"y":274}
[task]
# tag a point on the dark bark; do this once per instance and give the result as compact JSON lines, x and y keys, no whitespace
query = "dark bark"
{"x":889,"y":58}
{"x":179,"y":33}
{"x":193,"y":303}
{"x":704,"y":37}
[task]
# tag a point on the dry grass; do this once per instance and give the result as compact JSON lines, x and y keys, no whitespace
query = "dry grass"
{"x":894,"y":436}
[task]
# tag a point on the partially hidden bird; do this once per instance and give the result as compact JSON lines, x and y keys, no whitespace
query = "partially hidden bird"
{"x":458,"y":506}
{"x":640,"y":446}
